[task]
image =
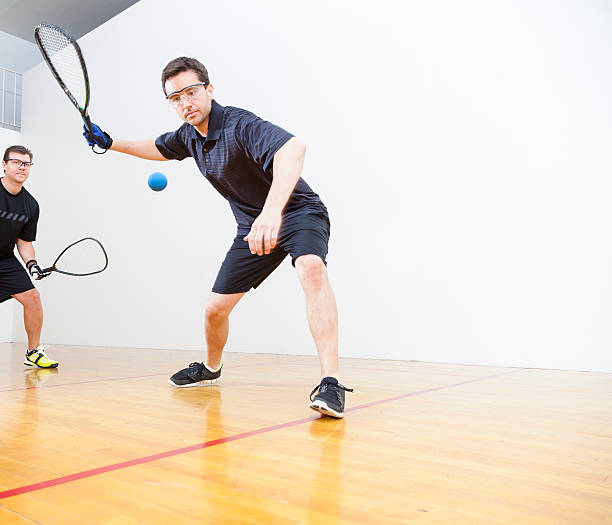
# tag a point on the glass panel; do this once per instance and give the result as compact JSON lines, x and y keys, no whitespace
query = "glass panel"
{"x":9,"y":81}
{"x":9,"y":114}
{"x":10,"y":105}
{"x":18,"y":110}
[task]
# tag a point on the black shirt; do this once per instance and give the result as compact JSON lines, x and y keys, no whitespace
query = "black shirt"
{"x":18,"y":218}
{"x":236,"y":157}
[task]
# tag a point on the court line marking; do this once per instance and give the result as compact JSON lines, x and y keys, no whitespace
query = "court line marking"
{"x":20,"y":389}
{"x":15,"y":513}
{"x":228,"y":439}
{"x":110,"y":379}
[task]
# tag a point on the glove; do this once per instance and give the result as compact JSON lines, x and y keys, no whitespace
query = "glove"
{"x":35,"y":270}
{"x":97,"y":137}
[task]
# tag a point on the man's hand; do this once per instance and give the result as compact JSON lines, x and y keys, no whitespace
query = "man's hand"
{"x":264,"y":232}
{"x":97,"y":137}
{"x":35,"y":270}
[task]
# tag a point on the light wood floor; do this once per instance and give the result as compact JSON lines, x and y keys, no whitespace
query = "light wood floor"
{"x":105,"y":439}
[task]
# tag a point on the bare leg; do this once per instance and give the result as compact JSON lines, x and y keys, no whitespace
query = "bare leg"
{"x":32,"y":315}
{"x":321,"y":311}
{"x":216,"y":325}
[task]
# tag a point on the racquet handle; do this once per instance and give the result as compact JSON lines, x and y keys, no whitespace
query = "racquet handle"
{"x":89,"y":127}
{"x":87,"y":123}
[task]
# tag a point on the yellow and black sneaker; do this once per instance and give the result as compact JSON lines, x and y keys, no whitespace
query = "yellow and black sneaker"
{"x":37,"y":357}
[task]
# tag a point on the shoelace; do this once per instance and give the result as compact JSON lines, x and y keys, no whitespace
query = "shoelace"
{"x":195,"y":370}
{"x":197,"y":366}
{"x":324,"y":385}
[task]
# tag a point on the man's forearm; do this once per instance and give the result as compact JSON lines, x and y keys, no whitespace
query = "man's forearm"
{"x":145,"y":149}
{"x":26,"y":250}
{"x":286,"y":169}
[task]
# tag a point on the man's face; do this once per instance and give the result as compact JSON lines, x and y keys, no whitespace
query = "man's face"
{"x":15,"y":171}
{"x":192,"y":109}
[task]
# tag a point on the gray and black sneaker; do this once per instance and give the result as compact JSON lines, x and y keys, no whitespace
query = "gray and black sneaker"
{"x":330,"y":399}
{"x":196,"y":374}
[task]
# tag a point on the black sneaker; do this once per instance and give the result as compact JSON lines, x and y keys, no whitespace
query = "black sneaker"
{"x":195,"y":375}
{"x":330,"y":399}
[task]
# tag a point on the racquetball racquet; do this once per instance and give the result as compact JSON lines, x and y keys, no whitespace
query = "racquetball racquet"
{"x":84,"y":257}
{"x":65,"y":60}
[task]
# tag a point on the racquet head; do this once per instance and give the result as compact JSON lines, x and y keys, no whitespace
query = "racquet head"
{"x":65,"y":60}
{"x":84,"y":257}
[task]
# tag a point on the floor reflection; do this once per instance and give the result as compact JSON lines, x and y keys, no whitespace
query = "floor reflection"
{"x":20,"y":431}
{"x":207,"y":403}
{"x":39,"y":376}
{"x":329,"y":433}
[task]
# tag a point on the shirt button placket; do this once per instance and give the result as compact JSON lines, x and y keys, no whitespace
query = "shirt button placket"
{"x":206,"y":158}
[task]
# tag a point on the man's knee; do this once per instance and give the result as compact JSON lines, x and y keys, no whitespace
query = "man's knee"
{"x":217,"y":309}
{"x":310,"y":268}
{"x":31,"y":298}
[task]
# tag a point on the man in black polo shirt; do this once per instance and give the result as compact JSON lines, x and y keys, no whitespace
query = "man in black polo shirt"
{"x":256,"y":166}
{"x":18,"y":221}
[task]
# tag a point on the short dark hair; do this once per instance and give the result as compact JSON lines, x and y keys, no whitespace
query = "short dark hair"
{"x":17,"y":149}
{"x":181,"y":64}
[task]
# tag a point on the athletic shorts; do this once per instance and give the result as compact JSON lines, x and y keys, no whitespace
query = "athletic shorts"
{"x":14,"y":278}
{"x":241,"y":270}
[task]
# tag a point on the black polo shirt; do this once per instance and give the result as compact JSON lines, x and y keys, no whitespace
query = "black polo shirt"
{"x":236,"y":157}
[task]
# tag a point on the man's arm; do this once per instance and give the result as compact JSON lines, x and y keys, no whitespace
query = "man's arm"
{"x":145,"y":149}
{"x":25,"y":249}
{"x":26,"y":252}
{"x":286,"y":171}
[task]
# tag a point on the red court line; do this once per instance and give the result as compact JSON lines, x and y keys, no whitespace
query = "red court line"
{"x":79,"y":382}
{"x":419,"y":392}
{"x":169,"y":453}
{"x":109,"y":379}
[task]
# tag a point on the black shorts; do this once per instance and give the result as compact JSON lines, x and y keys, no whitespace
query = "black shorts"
{"x":241,"y":270}
{"x":14,"y":278}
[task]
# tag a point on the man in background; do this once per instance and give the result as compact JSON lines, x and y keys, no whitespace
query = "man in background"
{"x":18,"y":220}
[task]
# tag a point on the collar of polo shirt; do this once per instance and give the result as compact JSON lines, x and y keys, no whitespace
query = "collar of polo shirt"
{"x":215,"y":122}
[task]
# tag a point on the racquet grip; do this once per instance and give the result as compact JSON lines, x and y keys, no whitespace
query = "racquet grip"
{"x":87,"y":123}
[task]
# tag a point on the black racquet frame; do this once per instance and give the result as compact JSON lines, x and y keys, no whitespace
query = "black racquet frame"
{"x":75,"y":45}
{"x":52,"y":268}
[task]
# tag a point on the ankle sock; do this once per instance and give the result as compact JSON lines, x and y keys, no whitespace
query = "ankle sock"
{"x":213,"y":370}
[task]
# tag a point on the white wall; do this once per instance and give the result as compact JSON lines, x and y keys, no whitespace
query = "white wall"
{"x":7,"y":308}
{"x":462,"y":149}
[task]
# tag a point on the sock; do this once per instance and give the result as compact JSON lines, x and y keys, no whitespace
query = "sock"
{"x":213,"y":370}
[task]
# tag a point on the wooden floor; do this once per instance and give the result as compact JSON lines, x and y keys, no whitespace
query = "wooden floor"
{"x":105,"y":439}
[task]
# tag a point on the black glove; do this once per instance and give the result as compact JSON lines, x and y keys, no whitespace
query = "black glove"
{"x":35,"y":270}
{"x":97,"y":137}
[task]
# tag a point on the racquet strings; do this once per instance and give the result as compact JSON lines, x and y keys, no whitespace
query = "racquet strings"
{"x":82,"y":258}
{"x":65,"y":60}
